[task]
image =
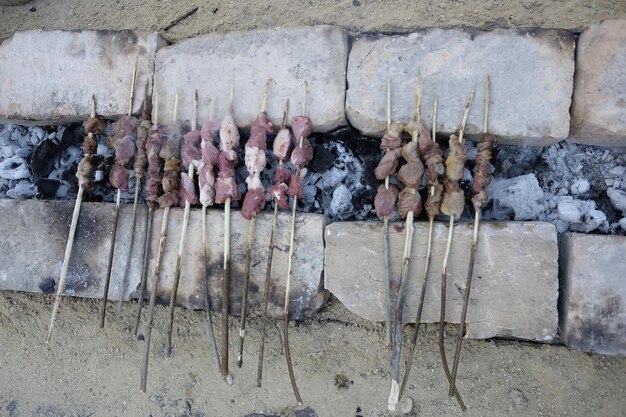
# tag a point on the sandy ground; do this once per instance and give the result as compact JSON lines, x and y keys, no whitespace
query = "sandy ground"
{"x":357,"y":15}
{"x":85,"y":371}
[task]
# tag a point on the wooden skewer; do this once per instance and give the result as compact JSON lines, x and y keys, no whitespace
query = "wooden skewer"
{"x":107,"y":280}
{"x":394,"y":393}
{"x":292,"y":377}
{"x":246,"y":279}
{"x":268,"y":272}
{"x":207,"y":299}
{"x":155,"y":283}
{"x":388,"y":323}
{"x":134,"y":221}
{"x":226,"y":274}
{"x":147,"y":235}
{"x":181,"y":246}
{"x":420,"y":307}
{"x":444,"y":274}
{"x":470,"y":271}
{"x":70,"y":243}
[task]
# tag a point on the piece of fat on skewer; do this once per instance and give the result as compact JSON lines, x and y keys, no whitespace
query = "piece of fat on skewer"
{"x":92,"y":126}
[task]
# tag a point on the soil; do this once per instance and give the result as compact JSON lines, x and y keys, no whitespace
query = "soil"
{"x":340,"y":363}
{"x":340,"y":360}
{"x":357,"y":15}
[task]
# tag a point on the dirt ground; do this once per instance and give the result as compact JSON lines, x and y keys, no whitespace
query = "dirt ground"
{"x":86,"y":371}
{"x":357,"y":15}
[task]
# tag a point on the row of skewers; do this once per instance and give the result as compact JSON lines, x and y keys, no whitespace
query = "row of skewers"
{"x":422,"y":155}
{"x":169,"y":161}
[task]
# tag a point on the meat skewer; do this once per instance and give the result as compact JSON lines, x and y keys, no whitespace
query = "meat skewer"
{"x":386,"y":197}
{"x":433,"y":159}
{"x":482,"y":178}
{"x":302,"y":153}
{"x":452,"y":205}
{"x":92,"y":126}
{"x":225,"y":191}
{"x":410,"y":205}
{"x":139,"y":167}
{"x":254,"y":201}
{"x":123,"y":143}
{"x":206,"y":179}
{"x":283,"y":144}
{"x":153,"y":146}
{"x":169,"y":152}
{"x":191,"y":158}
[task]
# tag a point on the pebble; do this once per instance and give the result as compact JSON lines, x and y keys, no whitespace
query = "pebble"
{"x":406,"y":407}
{"x":580,"y":186}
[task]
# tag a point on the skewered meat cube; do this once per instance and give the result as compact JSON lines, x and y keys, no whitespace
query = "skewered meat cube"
{"x":124,"y":149}
{"x":410,"y":152}
{"x":482,"y":170}
{"x":190,"y":151}
{"x":453,"y":199}
{"x":206,"y":180}
{"x":90,"y":146}
{"x":187,"y":191}
{"x":210,"y":153}
{"x":255,"y":160}
{"x":229,"y":134}
{"x":226,"y":167}
{"x":153,"y":190}
{"x":282,"y":174}
{"x":253,"y":203}
{"x":259,"y":130}
{"x":295,"y":188}
{"x":118,"y":177}
{"x":209,"y":130}
{"x":410,"y":174}
{"x":93,"y":125}
{"x":301,"y":127}
{"x":171,"y":148}
{"x":283,"y":144}
{"x":279,"y":195}
{"x":141,"y":158}
{"x":432,"y":154}
{"x":385,"y":200}
{"x":125,"y":125}
{"x":168,"y":200}
{"x":84,"y":171}
{"x":409,"y":200}
{"x":254,"y":183}
{"x":225,"y":188}
{"x":433,"y":201}
{"x":302,"y":154}
{"x":391,"y":139}
{"x":457,"y":155}
{"x":388,"y":165}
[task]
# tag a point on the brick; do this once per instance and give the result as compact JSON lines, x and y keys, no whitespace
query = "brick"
{"x":531,"y":75}
{"x":599,"y":107}
{"x":514,"y":291}
{"x":593,"y":293}
{"x":289,"y":56}
{"x":47,"y":223}
{"x":48,"y":77}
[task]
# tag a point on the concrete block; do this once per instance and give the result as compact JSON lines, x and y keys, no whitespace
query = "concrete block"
{"x":48,"y":77}
{"x":599,"y":107}
{"x":514,"y":291}
{"x":531,"y":77}
{"x":28,"y":261}
{"x":593,"y":293}
{"x":289,"y":56}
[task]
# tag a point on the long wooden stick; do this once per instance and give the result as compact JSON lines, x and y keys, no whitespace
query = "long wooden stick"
{"x":207,"y":299}
{"x":246,"y":278}
{"x":107,"y":281}
{"x":388,"y":323}
{"x":268,"y":271}
{"x":420,"y":306}
{"x":70,"y":242}
{"x":470,"y":271}
{"x":153,"y":296}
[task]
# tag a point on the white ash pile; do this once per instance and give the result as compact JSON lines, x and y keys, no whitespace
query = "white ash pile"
{"x":576,"y":187}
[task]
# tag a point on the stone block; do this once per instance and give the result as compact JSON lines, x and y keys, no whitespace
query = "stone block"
{"x":599,"y":107}
{"x":28,"y":261}
{"x":48,"y":77}
{"x":531,"y":75}
{"x":593,"y":293}
{"x":289,"y":56}
{"x":514,"y":291}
